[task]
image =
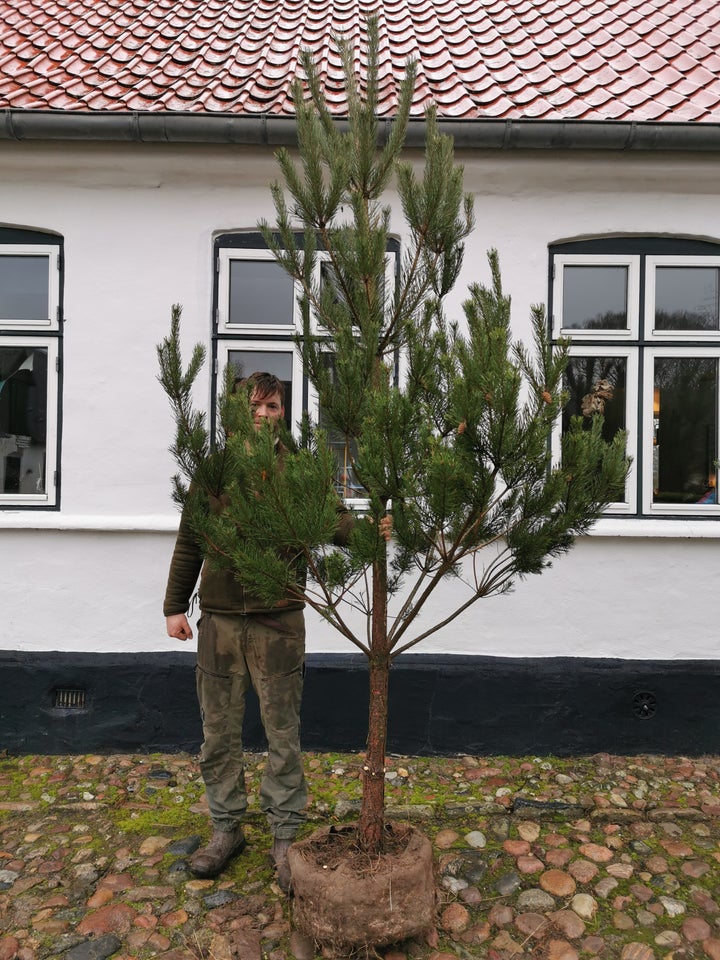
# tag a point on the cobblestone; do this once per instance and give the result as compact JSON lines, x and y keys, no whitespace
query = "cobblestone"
{"x":609,"y":857}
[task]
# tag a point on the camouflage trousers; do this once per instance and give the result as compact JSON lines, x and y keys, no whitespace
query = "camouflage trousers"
{"x":269,"y":653}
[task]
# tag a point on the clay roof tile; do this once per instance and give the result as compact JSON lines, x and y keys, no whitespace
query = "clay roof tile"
{"x":588,"y":59}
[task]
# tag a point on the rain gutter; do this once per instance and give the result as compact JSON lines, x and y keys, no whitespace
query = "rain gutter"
{"x":186,"y":128}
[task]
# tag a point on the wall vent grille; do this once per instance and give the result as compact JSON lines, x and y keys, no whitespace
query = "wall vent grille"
{"x":69,"y":699}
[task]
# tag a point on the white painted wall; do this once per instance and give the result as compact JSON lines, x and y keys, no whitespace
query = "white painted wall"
{"x":138,"y":223}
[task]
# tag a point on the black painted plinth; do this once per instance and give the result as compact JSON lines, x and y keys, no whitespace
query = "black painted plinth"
{"x":438,"y":705}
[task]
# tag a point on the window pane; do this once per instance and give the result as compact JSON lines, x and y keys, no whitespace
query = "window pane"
{"x":330,"y":285}
{"x":686,"y":298}
{"x":597,"y":387}
{"x":260,"y":293}
{"x":595,"y":298}
{"x":328,"y":280}
{"x":24,"y":288}
{"x":23,"y":419}
{"x":344,"y":450}
{"x":278,"y":363}
{"x":685,"y":446}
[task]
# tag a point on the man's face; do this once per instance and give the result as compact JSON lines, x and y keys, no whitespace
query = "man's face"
{"x":266,"y":408}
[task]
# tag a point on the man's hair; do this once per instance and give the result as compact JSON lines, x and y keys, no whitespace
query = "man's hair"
{"x":261,"y":383}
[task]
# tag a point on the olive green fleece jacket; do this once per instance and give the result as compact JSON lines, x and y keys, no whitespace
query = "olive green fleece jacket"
{"x":220,"y":591}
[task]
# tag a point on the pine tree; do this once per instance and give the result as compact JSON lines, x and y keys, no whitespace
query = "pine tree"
{"x":446,"y":425}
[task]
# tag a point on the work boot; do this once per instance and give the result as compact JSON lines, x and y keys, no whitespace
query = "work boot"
{"x":279,"y":853}
{"x":208,"y":861}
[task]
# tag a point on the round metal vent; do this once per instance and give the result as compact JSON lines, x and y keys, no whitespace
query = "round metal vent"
{"x":644,"y":705}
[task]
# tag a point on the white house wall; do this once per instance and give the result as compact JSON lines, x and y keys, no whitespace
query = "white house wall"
{"x":138,"y":224}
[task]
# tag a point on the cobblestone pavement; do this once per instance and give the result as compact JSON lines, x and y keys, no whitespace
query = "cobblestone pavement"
{"x":558,"y":859}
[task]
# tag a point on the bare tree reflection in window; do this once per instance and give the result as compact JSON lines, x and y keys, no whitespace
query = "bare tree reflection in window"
{"x":23,"y":419}
{"x":597,"y":386}
{"x":595,"y":297}
{"x":687,"y":298}
{"x":344,"y":449}
{"x":686,"y":412}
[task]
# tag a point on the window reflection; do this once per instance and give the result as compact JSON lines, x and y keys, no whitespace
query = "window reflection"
{"x":329,"y":281}
{"x":344,"y":450}
{"x":597,"y":386}
{"x":24,"y":288}
{"x":23,"y":419}
{"x":261,"y":293}
{"x":687,"y":298}
{"x":595,"y":297}
{"x":685,"y":430}
{"x":330,"y":285}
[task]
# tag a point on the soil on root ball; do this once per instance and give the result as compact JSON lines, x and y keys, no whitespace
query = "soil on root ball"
{"x":346,"y":899}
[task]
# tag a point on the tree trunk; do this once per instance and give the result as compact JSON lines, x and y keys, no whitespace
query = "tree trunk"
{"x":372,"y":810}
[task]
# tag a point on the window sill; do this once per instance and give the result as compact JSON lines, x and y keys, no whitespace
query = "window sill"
{"x":168,"y":523}
{"x":51,"y":520}
{"x":651,"y":527}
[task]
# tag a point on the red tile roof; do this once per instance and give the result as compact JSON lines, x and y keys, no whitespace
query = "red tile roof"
{"x":631,"y":60}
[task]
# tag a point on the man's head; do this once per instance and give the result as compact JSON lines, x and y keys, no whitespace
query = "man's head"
{"x":266,"y":395}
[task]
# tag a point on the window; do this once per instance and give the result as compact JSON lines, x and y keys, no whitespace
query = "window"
{"x":345,"y":448}
{"x":30,"y":350}
{"x":643,"y":319}
{"x":256,"y":321}
{"x":256,"y":296}
{"x":256,"y":317}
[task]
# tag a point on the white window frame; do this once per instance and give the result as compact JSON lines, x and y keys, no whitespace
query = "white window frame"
{"x":642,"y":344}
{"x":629,"y":505}
{"x":648,"y":506}
{"x":225,"y":257}
{"x":322,"y":257}
{"x":651,"y":265}
{"x":278,"y":338}
{"x":353,"y":503}
{"x":49,"y":497}
{"x":632,"y":262}
{"x":357,"y":503}
{"x":52,"y":252}
{"x":225,"y":346}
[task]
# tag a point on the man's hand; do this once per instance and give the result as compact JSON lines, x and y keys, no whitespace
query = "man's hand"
{"x":178,"y":627}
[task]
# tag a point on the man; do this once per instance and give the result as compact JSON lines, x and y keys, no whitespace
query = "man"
{"x":242,"y":642}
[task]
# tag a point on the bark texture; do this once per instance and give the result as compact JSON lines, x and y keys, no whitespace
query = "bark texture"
{"x":372,"y":809}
